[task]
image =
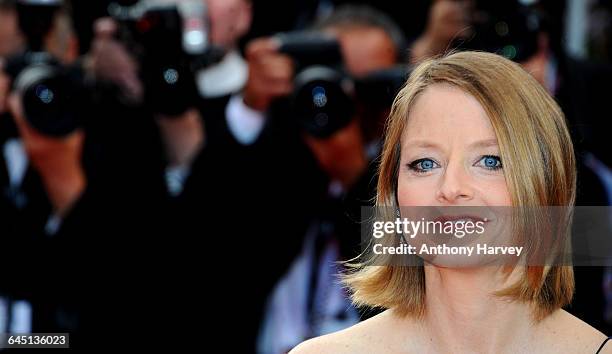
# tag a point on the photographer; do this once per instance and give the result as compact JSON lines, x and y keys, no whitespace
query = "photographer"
{"x":42,"y":183}
{"x":307,"y":300}
{"x":71,"y":242}
{"x":77,"y":206}
{"x":179,"y":182}
{"x":161,"y":107}
{"x":53,"y":213}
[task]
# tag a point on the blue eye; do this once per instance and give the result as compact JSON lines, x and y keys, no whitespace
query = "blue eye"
{"x":422,"y":165}
{"x":490,"y":162}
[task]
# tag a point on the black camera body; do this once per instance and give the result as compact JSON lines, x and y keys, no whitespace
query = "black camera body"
{"x":325,"y":96}
{"x":322,"y":97}
{"x":171,"y":42}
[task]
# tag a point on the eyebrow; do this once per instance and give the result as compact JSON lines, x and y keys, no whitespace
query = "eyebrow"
{"x":430,"y":144}
{"x":421,"y":144}
{"x":484,"y":143}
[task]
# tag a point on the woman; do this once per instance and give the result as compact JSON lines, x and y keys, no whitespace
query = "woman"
{"x":469,"y":129}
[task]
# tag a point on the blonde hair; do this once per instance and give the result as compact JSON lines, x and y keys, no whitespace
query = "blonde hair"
{"x":533,"y":139}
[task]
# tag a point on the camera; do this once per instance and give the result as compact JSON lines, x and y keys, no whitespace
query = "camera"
{"x":51,"y":94}
{"x":170,"y":40}
{"x":47,"y":89}
{"x":325,"y":96}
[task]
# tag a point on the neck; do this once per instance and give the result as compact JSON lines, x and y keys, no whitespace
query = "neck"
{"x":352,"y":171}
{"x":183,"y":137}
{"x":463,"y":315}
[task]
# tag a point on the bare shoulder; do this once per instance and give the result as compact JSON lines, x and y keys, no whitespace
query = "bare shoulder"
{"x":330,"y":343}
{"x":568,"y":333}
{"x":364,"y":337}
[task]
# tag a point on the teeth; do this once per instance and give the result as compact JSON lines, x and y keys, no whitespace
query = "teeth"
{"x":470,"y":219}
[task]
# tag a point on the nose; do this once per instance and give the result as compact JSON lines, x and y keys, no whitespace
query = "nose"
{"x":455,"y":186}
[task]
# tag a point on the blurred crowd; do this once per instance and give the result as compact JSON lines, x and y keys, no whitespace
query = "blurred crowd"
{"x":180,"y":171}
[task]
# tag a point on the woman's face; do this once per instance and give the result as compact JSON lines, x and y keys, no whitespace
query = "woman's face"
{"x":449,"y":153}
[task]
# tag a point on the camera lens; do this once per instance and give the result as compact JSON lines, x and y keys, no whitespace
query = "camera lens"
{"x":47,"y":96}
{"x":44,"y":94}
{"x":321,"y":102}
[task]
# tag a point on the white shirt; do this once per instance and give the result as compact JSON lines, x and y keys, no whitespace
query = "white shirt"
{"x":225,"y":77}
{"x":287,"y":321}
{"x":243,"y":122}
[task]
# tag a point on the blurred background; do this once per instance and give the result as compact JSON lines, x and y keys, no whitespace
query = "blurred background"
{"x":173,"y":171}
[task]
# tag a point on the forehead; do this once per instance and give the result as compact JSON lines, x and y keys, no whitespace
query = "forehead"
{"x":446,"y":114}
{"x":365,"y":49}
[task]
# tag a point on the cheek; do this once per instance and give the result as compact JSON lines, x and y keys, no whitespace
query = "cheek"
{"x":4,"y":89}
{"x":422,"y":191}
{"x":416,"y":191}
{"x":222,"y":21}
{"x":494,"y":192}
{"x":216,"y":18}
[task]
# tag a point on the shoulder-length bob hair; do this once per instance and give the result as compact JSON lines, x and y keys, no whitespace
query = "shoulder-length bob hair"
{"x":539,"y":168}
